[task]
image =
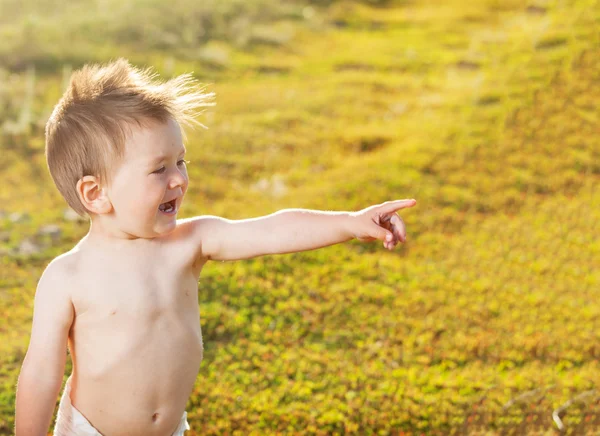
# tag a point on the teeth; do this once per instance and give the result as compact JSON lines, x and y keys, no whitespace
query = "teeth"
{"x":167,"y":207}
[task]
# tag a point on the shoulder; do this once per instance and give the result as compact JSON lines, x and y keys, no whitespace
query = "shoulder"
{"x":53,"y":297}
{"x":59,"y":273}
{"x":63,"y":265}
{"x":197,"y":225}
{"x":200,"y":234}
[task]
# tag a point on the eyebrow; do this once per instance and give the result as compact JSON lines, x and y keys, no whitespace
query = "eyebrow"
{"x":162,"y":157}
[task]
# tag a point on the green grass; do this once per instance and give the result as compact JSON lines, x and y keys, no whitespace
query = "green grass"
{"x":484,"y":112}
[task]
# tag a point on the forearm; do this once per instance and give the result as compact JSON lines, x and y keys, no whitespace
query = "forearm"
{"x":295,"y":230}
{"x":35,"y":404}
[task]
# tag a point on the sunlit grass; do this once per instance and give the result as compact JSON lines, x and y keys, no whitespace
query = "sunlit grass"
{"x":484,"y":112}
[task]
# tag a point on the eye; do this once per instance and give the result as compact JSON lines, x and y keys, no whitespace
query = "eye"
{"x":162,"y":170}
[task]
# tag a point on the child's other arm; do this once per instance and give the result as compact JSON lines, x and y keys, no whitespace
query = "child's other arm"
{"x":42,"y":371}
{"x":293,"y":230}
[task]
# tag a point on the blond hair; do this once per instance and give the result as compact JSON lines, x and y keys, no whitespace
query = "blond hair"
{"x":87,"y":130}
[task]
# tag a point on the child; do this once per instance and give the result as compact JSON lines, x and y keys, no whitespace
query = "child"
{"x":124,"y":299}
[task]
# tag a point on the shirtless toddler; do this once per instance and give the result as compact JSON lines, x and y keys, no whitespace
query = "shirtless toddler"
{"x":124,"y":299}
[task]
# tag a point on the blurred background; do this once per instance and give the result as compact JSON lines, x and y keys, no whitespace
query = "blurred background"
{"x":484,"y":322}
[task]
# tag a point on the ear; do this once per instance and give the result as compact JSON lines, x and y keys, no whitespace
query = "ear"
{"x":93,"y":195}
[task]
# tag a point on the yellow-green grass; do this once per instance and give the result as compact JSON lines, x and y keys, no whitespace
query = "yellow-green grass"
{"x":486,"y":115}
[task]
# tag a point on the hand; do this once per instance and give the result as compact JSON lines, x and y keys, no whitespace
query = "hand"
{"x":381,"y":221}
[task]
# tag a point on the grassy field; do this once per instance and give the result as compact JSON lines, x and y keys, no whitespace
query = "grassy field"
{"x":485,"y":112}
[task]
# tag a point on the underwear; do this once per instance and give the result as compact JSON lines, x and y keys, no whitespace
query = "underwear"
{"x":70,"y":421}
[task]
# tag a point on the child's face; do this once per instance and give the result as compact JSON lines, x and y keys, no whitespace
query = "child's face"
{"x":152,"y":172}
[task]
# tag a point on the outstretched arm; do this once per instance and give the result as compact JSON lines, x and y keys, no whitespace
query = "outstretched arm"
{"x":293,"y":230}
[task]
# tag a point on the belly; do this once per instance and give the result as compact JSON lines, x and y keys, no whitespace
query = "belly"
{"x":131,"y":379}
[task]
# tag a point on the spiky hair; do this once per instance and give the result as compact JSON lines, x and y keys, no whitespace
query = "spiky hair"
{"x":87,"y":131}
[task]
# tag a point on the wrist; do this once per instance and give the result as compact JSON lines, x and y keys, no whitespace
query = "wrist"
{"x":349,"y":219}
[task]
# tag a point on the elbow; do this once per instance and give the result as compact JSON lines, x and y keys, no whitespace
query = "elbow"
{"x":38,"y":381}
{"x":34,"y":405}
{"x":32,"y":386}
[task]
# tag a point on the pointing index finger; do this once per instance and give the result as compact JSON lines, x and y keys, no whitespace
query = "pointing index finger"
{"x":390,"y":206}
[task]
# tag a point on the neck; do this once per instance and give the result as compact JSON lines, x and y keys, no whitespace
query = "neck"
{"x":101,"y":235}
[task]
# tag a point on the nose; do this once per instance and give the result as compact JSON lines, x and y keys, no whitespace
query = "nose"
{"x":178,"y":178}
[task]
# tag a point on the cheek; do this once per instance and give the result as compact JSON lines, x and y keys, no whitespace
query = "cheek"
{"x":145,"y":195}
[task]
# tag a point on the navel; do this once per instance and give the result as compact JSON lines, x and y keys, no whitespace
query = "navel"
{"x":154,"y":417}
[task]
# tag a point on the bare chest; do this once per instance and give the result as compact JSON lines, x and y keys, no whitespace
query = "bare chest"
{"x":128,"y":311}
{"x":144,"y":293}
{"x":134,"y":286}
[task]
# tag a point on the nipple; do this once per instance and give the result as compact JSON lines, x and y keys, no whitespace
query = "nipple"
{"x":154,"y":417}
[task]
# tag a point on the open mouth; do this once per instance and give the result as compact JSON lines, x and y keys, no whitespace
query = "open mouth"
{"x":168,"y":207}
